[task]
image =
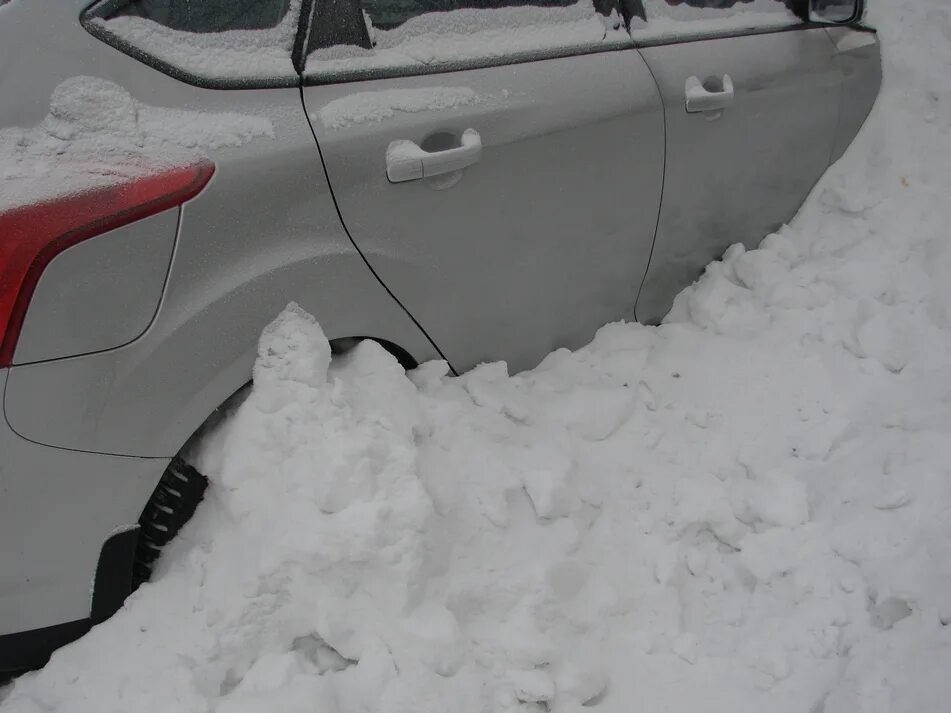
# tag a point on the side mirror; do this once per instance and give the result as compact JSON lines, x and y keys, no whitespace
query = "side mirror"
{"x":835,"y":12}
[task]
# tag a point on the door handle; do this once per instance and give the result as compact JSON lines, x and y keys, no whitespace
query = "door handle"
{"x":406,"y":161}
{"x":709,"y":98}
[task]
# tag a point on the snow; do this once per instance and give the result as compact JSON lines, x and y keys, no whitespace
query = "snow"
{"x":666,"y":20}
{"x":247,"y":55}
{"x":97,"y":135}
{"x":366,"y":107}
{"x":472,"y":34}
{"x":745,"y":509}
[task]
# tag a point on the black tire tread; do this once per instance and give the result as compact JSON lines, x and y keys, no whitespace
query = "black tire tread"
{"x":172,"y":504}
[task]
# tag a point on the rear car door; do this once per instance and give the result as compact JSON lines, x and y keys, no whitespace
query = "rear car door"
{"x":741,"y":164}
{"x":498,"y":163}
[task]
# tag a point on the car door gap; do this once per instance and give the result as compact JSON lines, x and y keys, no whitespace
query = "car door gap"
{"x":356,"y":247}
{"x":663,"y":178}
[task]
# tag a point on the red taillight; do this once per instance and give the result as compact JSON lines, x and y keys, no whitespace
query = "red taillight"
{"x":32,"y":235}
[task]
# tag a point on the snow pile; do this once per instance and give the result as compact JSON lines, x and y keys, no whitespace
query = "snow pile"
{"x":366,"y":107}
{"x":97,"y":135}
{"x":745,"y":509}
{"x":473,"y":34}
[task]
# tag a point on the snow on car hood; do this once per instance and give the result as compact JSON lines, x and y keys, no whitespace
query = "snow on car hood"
{"x":745,"y":509}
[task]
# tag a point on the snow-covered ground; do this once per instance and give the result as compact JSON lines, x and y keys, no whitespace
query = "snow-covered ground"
{"x":745,"y":509}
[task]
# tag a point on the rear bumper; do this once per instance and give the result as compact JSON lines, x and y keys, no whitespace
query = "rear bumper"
{"x":58,"y":510}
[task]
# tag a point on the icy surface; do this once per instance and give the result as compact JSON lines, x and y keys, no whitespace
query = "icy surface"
{"x":365,"y":107}
{"x":746,"y":509}
{"x":97,"y":135}
{"x":472,"y":34}
{"x":234,"y":54}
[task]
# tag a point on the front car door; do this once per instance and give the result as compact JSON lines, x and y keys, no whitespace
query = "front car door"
{"x":499,"y":164}
{"x":742,"y":164}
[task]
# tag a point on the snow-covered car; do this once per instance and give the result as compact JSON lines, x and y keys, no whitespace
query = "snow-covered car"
{"x":470,"y":180}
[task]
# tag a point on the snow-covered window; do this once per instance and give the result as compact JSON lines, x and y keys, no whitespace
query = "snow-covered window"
{"x":670,"y":19}
{"x":209,"y":15}
{"x":416,"y":36}
{"x":235,"y":43}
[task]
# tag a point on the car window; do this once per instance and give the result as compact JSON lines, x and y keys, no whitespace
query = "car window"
{"x":387,"y":14}
{"x":419,"y":36}
{"x":208,"y":42}
{"x":208,"y":15}
{"x":666,"y":19}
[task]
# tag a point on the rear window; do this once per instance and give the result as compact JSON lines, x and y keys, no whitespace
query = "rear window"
{"x":387,"y":14}
{"x":208,"y":15}
{"x":223,"y":43}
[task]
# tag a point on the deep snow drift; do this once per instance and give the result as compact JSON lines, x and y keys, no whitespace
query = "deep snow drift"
{"x":746,"y":509}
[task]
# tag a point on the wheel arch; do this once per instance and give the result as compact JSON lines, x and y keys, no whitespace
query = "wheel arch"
{"x":148,"y":398}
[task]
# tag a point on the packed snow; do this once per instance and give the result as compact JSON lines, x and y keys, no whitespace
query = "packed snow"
{"x":448,"y":38}
{"x":745,"y":509}
{"x":96,"y":134}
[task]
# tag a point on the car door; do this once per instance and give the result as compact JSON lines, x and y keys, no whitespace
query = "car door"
{"x":499,"y":167}
{"x":741,"y":164}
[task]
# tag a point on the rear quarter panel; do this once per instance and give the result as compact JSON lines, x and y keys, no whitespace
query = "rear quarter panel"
{"x":263,"y":232}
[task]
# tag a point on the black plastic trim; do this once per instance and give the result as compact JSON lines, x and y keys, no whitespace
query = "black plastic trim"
{"x":360,"y":75}
{"x":304,"y":24}
{"x":748,"y":32}
{"x":114,"y":574}
{"x":28,"y":650}
{"x":337,"y":22}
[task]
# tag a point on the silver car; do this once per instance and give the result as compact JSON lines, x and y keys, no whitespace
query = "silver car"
{"x":466,"y":180}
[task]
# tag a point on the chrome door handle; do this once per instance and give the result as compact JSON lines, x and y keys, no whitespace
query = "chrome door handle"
{"x":709,"y":98}
{"x":406,"y":161}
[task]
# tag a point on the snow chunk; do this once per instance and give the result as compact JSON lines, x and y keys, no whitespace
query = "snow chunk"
{"x":292,"y":348}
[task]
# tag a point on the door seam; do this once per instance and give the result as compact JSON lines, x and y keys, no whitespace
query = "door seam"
{"x":663,"y":181}
{"x":333,"y":197}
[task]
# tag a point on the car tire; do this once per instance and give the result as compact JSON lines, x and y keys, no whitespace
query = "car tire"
{"x":172,"y":504}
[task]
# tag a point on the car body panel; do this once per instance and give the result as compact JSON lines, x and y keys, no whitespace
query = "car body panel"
{"x":57,"y":507}
{"x":263,"y":232}
{"x":543,"y":240}
{"x":737,"y":176}
{"x":73,"y":308}
{"x":859,"y":57}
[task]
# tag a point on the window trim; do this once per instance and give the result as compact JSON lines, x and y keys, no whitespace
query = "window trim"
{"x":99,"y":8}
{"x":362,"y":75}
{"x":728,"y":34}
